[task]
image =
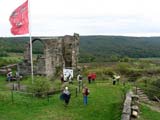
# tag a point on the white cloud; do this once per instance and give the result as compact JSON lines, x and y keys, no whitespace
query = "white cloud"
{"x":87,"y":17}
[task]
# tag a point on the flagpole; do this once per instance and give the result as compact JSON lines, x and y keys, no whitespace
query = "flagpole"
{"x":30,"y":37}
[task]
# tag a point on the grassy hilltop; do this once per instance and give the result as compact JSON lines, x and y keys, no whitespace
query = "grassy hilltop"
{"x":104,"y":55}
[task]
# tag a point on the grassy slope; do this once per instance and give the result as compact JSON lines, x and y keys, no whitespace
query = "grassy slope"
{"x":105,"y":103}
{"x":3,"y":83}
{"x":148,"y":114}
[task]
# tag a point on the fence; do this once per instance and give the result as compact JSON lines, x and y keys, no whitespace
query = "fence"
{"x":13,"y":96}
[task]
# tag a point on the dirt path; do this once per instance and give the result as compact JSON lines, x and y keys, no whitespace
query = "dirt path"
{"x":152,"y":107}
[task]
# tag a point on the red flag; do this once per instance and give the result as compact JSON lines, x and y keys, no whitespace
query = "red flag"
{"x":19,"y":20}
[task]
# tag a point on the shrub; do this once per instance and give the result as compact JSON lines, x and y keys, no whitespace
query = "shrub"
{"x":134,"y":74}
{"x":8,"y":60}
{"x":123,"y":68}
{"x":153,"y":91}
{"x":3,"y":54}
{"x":156,"y":83}
{"x":40,"y":86}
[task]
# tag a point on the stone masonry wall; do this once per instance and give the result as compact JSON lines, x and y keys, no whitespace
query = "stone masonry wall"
{"x":59,"y":52}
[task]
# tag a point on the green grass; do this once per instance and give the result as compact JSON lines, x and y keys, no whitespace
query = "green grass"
{"x":148,"y":114}
{"x":105,"y":102}
{"x":3,"y":83}
{"x":9,"y":60}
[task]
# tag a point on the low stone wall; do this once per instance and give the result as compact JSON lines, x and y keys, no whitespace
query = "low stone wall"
{"x":126,"y":113}
{"x":3,"y":71}
{"x":130,"y":107}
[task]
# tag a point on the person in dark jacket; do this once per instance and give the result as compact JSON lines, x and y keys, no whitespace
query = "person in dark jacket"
{"x":66,"y":96}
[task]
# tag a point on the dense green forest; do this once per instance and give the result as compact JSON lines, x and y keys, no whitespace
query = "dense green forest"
{"x":96,"y":48}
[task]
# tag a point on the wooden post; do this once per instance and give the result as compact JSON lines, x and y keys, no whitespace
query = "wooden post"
{"x":79,"y":86}
{"x":82,"y":85}
{"x":13,"y":86}
{"x":12,"y":96}
{"x":76,"y":92}
{"x":47,"y":97}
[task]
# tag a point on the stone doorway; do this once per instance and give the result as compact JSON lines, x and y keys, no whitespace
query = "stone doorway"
{"x":38,"y":48}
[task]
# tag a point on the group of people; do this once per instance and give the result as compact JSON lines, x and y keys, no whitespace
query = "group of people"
{"x":66,"y":95}
{"x":11,"y":77}
{"x":68,"y":78}
{"x":91,"y":77}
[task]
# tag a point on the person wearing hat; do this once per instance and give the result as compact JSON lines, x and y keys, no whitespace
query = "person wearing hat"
{"x":66,"y":95}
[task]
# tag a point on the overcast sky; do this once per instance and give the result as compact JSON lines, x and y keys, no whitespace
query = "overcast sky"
{"x":87,"y":17}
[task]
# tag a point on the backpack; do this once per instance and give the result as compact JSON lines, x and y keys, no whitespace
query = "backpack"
{"x":86,"y":91}
{"x":80,"y":77}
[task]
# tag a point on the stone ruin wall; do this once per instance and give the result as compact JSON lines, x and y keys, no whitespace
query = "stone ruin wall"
{"x":59,"y":52}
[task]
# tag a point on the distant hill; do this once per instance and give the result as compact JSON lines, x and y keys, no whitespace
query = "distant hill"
{"x":104,"y":47}
{"x":17,"y":45}
{"x":98,"y":48}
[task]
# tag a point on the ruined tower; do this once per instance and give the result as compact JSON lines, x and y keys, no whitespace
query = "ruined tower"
{"x":59,"y":52}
